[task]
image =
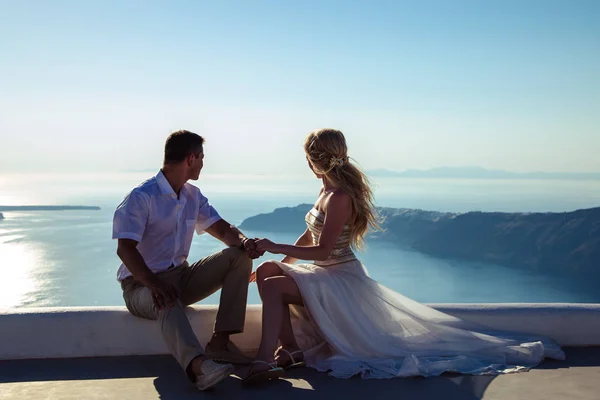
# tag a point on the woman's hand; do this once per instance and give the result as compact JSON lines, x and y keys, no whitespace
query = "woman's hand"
{"x":266,"y":245}
{"x":249,"y":246}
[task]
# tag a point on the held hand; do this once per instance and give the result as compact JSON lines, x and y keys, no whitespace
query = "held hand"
{"x":266,"y":245}
{"x":163,"y":294}
{"x":252,"y":277}
{"x":250,"y":247}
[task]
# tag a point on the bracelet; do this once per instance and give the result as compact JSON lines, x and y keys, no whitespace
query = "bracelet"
{"x":242,"y":244}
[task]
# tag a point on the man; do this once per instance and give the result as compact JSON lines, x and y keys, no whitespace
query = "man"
{"x":154,"y":226}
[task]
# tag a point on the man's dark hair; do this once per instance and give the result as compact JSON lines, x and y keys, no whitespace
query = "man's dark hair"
{"x":180,"y":145}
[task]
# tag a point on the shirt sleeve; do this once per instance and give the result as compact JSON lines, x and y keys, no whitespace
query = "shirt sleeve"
{"x":129,"y":221}
{"x":207,"y":215}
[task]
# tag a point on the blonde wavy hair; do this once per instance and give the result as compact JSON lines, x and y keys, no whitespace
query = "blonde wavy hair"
{"x":327,"y":153}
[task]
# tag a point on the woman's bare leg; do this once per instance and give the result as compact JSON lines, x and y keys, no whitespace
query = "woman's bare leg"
{"x":264,"y":271}
{"x":269,"y":270}
{"x":286,"y":336}
{"x":278,"y":293}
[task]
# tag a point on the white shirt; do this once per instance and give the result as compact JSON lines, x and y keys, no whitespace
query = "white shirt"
{"x":162,"y":224}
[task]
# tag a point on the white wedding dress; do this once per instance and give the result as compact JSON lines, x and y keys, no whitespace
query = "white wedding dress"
{"x":353,"y":325}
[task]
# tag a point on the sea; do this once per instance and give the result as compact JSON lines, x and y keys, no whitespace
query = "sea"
{"x":67,"y":258}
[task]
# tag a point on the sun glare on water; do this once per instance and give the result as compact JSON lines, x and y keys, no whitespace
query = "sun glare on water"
{"x":17,"y":262}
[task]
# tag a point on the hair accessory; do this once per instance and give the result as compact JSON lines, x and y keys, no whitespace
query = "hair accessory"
{"x":337,"y":161}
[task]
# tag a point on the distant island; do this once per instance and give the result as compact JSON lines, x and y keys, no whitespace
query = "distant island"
{"x":481,"y":173}
{"x":47,"y":208}
{"x":1,"y":216}
{"x":129,"y":171}
{"x":566,"y":242}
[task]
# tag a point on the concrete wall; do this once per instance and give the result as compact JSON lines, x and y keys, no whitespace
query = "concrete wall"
{"x":112,"y":331}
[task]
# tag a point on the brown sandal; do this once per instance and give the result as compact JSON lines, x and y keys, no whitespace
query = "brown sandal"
{"x":274,"y":372}
{"x":293,"y":363}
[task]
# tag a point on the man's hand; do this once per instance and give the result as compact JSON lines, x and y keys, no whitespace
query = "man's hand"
{"x":252,"y":277}
{"x":163,"y":293}
{"x":250,"y":247}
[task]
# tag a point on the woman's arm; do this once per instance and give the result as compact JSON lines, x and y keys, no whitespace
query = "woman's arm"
{"x":304,"y":240}
{"x":337,"y":208}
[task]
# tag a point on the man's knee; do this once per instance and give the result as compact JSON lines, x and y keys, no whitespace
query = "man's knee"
{"x":147,"y":312}
{"x":239,"y":258}
{"x":139,"y":304}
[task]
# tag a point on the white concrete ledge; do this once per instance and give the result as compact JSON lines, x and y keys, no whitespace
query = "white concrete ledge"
{"x":111,"y":331}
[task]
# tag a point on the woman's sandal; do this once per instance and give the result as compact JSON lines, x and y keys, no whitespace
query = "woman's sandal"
{"x":274,"y":372}
{"x":292,"y":360}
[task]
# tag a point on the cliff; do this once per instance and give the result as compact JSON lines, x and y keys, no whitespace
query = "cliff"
{"x":555,"y":242}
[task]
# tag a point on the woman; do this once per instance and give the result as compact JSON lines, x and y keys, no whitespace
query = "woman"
{"x":348,"y":323}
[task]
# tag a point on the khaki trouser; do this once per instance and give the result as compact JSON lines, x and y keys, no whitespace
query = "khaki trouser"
{"x":228,"y":269}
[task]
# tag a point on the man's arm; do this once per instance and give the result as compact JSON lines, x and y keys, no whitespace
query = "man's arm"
{"x":163,"y":294}
{"x":232,"y":236}
{"x":226,"y":233}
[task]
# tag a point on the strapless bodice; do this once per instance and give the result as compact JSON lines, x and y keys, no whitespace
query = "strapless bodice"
{"x":342,"y":252}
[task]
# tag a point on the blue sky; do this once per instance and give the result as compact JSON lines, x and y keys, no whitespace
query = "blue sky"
{"x":97,"y":86}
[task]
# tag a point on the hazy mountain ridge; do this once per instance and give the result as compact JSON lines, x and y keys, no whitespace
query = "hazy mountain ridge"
{"x":557,"y":242}
{"x":481,"y":173}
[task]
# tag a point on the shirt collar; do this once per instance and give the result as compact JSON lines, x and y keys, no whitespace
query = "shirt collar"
{"x":165,"y":186}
